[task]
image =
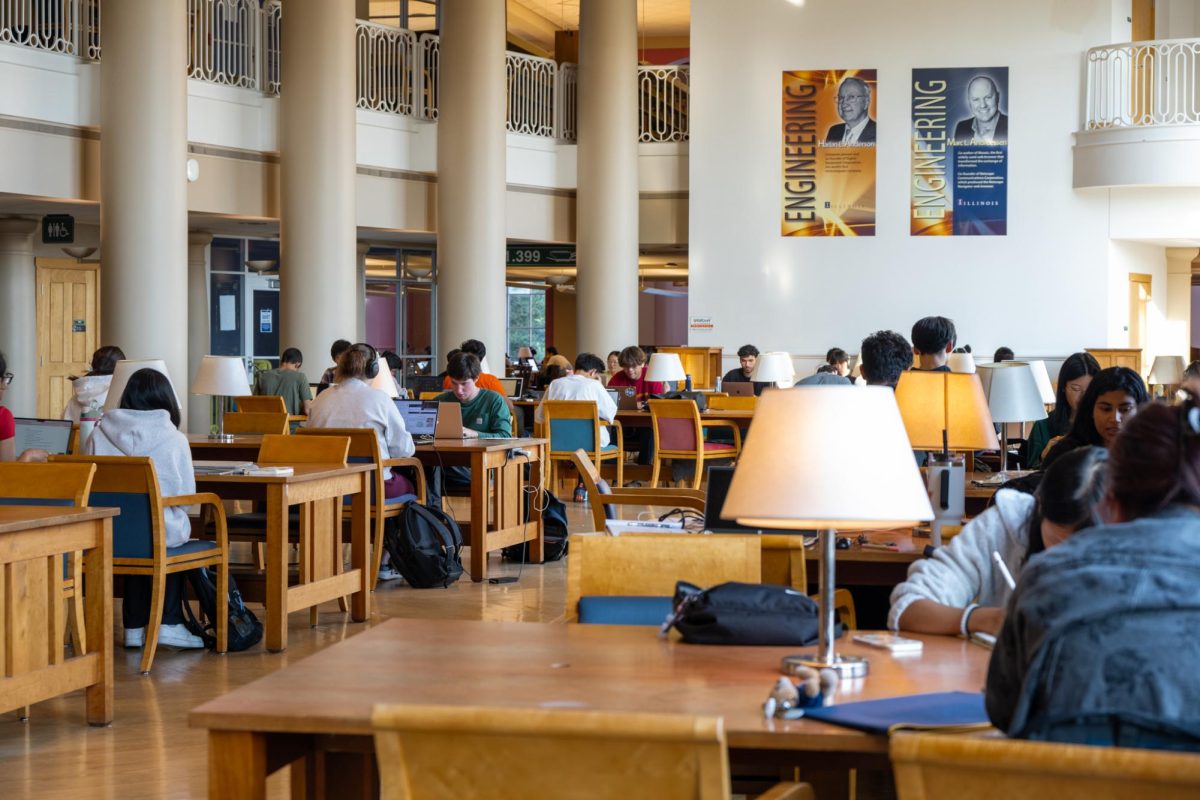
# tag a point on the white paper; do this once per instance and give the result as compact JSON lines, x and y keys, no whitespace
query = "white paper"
{"x":228,"y":312}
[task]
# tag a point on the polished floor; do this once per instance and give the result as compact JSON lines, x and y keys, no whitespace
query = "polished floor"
{"x":149,"y":752}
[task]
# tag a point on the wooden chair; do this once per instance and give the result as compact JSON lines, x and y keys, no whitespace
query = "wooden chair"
{"x":723,"y":402}
{"x":429,"y":395}
{"x":255,"y":422}
{"x":678,"y":433}
{"x":139,"y":536}
{"x":54,"y":485}
{"x":647,"y":565}
{"x":443,"y":752}
{"x":637,"y":496}
{"x":364,"y":447}
{"x":283,"y":450}
{"x":575,"y":425}
{"x":260,"y":404}
{"x":936,"y":766}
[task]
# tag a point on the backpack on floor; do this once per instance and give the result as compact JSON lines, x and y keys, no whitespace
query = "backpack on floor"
{"x":425,"y":546}
{"x":554,"y":532}
{"x":244,"y":629}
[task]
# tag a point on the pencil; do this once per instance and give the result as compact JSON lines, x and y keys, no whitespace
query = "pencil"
{"x":1008,"y":578}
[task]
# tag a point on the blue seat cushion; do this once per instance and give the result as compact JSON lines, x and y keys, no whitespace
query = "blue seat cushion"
{"x":131,"y":529}
{"x":569,"y":435}
{"x":620,"y":610}
{"x":191,"y":547}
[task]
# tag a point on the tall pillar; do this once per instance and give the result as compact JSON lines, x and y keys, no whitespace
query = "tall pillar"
{"x":316,"y":176}
{"x":143,"y":177}
{"x":360,"y":331}
{"x":1177,"y":339}
{"x":606,"y":209}
{"x":199,"y":407}
{"x":18,"y":316}
{"x":471,"y":295}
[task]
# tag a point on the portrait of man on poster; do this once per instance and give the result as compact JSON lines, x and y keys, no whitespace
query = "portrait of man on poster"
{"x":853,"y":103}
{"x":986,"y":124}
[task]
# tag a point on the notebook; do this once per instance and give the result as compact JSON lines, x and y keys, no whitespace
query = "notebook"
{"x":51,"y":435}
{"x":420,"y":417}
{"x":942,"y":711}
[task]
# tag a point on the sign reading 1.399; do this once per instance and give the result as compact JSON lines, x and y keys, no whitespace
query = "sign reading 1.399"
{"x":58,"y":229}
{"x":541,"y":255}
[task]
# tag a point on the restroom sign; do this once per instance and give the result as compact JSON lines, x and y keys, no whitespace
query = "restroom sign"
{"x":58,"y":229}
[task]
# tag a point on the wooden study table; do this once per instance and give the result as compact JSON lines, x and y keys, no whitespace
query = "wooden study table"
{"x":243,"y":447}
{"x":33,"y":542}
{"x":324,"y":486}
{"x":322,"y":704}
{"x":507,"y":524}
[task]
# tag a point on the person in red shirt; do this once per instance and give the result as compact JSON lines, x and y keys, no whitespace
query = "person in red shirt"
{"x":632,"y":361}
{"x":8,"y":426}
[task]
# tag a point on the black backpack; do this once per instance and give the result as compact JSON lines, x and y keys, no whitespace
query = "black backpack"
{"x":554,"y":532}
{"x":425,"y":546}
{"x":244,"y":629}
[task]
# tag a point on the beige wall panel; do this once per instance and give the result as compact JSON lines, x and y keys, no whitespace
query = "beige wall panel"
{"x":663,"y":220}
{"x":396,"y":203}
{"x":44,"y":164}
{"x":563,"y":334}
{"x":541,"y":216}
{"x":235,"y":187}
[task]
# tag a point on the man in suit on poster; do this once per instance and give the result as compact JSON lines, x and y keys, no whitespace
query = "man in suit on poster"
{"x":987,"y":125}
{"x":853,"y":102}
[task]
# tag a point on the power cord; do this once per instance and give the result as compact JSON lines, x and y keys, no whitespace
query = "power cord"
{"x":532,"y":492}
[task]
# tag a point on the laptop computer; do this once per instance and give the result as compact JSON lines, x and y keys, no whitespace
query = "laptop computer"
{"x":450,"y":424}
{"x":615,"y":395}
{"x":626,"y":398}
{"x":420,"y":417}
{"x":738,"y":388}
{"x":51,"y":435}
{"x":512,"y":387}
{"x":719,"y":479}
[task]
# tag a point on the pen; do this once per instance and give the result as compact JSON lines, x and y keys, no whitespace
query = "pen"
{"x":891,"y":546}
{"x":1008,"y":578}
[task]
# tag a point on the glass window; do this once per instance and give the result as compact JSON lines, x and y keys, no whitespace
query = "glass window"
{"x":526,"y":319}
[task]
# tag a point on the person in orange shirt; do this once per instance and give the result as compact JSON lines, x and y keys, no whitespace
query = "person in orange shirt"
{"x":485,"y":380}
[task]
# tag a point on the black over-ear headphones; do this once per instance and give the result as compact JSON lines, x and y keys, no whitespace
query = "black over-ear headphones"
{"x":372,"y":371}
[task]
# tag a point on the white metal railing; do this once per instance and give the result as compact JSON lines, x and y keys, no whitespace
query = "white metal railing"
{"x":386,"y":60}
{"x":429,"y":75}
{"x":89,"y":30}
{"x":41,"y":24}
{"x":663,"y":104}
{"x":270,"y":47}
{"x":1143,"y":83}
{"x":223,"y":42}
{"x":568,"y":101}
{"x":531,"y":83}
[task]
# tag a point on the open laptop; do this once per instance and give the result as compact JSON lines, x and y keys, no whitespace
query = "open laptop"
{"x":615,"y":395}
{"x":512,"y":387}
{"x":420,"y":417}
{"x":51,"y":435}
{"x":626,"y":398}
{"x":719,"y":479}
{"x":738,"y":388}
{"x":450,"y":424}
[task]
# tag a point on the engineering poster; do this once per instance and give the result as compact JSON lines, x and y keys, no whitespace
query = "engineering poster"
{"x":829,"y":134}
{"x":959,"y":181}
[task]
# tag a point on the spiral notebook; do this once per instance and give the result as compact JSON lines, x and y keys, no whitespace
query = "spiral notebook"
{"x":948,"y":712}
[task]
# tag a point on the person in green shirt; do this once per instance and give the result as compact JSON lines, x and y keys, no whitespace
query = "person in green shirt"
{"x":485,"y":415}
{"x":288,"y":382}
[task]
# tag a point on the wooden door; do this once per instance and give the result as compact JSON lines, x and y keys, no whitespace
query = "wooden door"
{"x":1139,"y":300}
{"x":68,"y":328}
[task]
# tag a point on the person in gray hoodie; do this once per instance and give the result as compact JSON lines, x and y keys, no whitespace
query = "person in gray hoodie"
{"x":88,"y":392}
{"x":147,"y":424}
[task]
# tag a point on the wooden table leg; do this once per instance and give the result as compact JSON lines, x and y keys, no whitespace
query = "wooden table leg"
{"x":536,"y":473}
{"x":237,"y":765}
{"x":97,"y":568}
{"x":479,"y":517}
{"x":360,"y":601}
{"x":277,"y":567}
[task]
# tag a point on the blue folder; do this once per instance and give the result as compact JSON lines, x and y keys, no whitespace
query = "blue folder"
{"x":935,"y":711}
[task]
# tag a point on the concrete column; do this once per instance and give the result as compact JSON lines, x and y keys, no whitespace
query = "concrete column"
{"x":316,"y":177}
{"x":360,"y":334}
{"x":143,"y":192}
{"x":471,"y":295}
{"x":1178,"y":306}
{"x":18,"y":317}
{"x":606,"y":211}
{"x":199,"y":310}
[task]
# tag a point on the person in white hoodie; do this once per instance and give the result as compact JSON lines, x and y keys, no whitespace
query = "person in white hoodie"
{"x":91,"y":390}
{"x":960,"y":589}
{"x":147,"y":424}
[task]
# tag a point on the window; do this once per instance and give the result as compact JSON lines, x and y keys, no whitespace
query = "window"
{"x":526,"y":319}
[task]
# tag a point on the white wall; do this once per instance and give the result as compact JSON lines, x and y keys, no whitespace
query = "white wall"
{"x":1176,"y":19}
{"x":1041,"y":290}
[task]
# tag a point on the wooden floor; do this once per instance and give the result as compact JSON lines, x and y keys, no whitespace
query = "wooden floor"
{"x":149,"y":752}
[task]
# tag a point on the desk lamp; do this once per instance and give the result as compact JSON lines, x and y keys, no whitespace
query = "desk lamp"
{"x":666,"y":368}
{"x":961,"y":362}
{"x":803,"y":459}
{"x":384,"y":381}
{"x":221,"y":377}
{"x":1042,"y":378}
{"x":1013,"y":396}
{"x":1166,"y":371}
{"x":944,"y":411}
{"x":775,"y":368}
{"x":124,"y":369}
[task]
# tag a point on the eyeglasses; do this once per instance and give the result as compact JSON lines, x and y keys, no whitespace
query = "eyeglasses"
{"x":6,"y":378}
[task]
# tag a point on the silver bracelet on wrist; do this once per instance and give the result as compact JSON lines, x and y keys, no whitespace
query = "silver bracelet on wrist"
{"x":966,"y":619}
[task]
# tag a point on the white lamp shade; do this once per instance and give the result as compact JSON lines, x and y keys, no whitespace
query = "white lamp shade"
{"x":807,"y":452}
{"x":856,"y":366}
{"x":933,"y":402}
{"x":1166,"y":371}
{"x":221,"y":376}
{"x":124,"y":369}
{"x":774,"y":368}
{"x":665,"y":368}
{"x":384,"y":381}
{"x":961,"y":362}
{"x":1012,"y":392}
{"x":524,"y":352}
{"x":1042,"y":378}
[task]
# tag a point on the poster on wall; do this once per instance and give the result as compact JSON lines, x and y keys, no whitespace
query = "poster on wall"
{"x":959,"y":152}
{"x":829,"y":132}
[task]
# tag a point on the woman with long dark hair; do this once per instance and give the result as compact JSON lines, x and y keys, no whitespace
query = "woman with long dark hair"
{"x":1111,"y":400}
{"x":1074,"y":377}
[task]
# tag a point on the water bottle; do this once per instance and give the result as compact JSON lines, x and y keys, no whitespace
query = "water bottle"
{"x":581,"y":495}
{"x":687,"y":383}
{"x":718,"y":383}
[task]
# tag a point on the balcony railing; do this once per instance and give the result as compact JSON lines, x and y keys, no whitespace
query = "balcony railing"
{"x":237,"y":43}
{"x":1140,"y":84}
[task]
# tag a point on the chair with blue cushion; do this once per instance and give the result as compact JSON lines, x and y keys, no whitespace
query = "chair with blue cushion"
{"x":139,"y":535}
{"x":364,"y":448}
{"x":572,"y":425}
{"x":630,"y":579}
{"x":54,"y":485}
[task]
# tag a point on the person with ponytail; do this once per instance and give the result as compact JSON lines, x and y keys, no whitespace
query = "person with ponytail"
{"x":1099,"y":644}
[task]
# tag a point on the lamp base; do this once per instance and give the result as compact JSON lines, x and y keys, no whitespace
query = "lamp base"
{"x":844,"y":666}
{"x":221,"y":437}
